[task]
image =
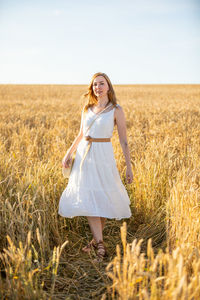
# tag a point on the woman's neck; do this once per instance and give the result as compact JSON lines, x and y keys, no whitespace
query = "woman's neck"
{"x":102,"y":102}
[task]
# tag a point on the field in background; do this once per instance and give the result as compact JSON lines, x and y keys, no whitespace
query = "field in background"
{"x":41,"y":255}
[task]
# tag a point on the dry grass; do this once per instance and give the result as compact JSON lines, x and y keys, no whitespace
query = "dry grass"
{"x":163,"y":276}
{"x":41,"y":254}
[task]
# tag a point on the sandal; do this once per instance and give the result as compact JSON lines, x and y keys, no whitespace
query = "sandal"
{"x":101,"y":251}
{"x":89,"y":246}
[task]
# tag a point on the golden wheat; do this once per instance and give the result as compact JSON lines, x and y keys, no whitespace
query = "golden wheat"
{"x":160,"y":257}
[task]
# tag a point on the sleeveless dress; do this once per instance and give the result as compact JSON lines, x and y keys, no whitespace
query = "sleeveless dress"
{"x":96,"y":190}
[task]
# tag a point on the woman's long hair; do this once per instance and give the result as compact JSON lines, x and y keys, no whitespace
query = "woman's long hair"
{"x":92,"y":99}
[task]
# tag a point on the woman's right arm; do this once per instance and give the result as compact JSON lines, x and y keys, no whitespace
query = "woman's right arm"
{"x":68,"y":155}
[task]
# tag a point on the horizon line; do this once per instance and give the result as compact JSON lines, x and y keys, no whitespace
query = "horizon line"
{"x":88,"y":84}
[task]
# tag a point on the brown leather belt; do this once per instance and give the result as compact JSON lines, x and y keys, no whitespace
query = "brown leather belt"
{"x":90,"y":140}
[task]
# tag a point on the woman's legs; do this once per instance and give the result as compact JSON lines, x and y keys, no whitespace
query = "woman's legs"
{"x":96,"y":225}
{"x":103,"y":221}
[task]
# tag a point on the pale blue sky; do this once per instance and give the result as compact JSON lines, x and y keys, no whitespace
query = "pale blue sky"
{"x":66,"y":42}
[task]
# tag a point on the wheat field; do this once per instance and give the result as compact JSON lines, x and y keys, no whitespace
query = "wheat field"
{"x":153,"y":255}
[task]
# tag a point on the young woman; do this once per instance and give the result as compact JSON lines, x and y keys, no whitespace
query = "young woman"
{"x":95,"y":189}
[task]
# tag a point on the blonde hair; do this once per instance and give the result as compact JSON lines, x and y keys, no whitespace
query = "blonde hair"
{"x":92,"y":99}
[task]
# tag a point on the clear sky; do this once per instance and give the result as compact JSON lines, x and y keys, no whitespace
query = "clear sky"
{"x":67,"y":41}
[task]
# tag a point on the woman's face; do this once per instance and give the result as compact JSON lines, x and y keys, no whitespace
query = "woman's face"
{"x":100,"y":87}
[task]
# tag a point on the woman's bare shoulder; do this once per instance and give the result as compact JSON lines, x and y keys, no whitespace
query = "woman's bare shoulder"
{"x":119,"y":109}
{"x":118,"y":112}
{"x":84,"y":108}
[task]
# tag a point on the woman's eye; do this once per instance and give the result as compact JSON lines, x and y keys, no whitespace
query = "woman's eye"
{"x":102,"y":83}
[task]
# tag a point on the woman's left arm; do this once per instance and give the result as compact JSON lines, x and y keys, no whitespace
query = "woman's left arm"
{"x":121,"y":128}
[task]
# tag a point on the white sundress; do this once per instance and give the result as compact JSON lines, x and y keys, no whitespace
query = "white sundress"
{"x":96,"y":190}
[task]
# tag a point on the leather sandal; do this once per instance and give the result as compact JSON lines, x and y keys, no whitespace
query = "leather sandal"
{"x":101,"y":252}
{"x":89,"y":246}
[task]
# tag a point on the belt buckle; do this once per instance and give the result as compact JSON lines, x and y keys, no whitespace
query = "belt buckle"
{"x":88,"y":138}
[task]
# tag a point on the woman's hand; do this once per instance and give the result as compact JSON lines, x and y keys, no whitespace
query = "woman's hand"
{"x":66,"y":160}
{"x":129,"y":175}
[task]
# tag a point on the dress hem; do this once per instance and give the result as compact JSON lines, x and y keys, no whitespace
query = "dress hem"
{"x":117,"y":218}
